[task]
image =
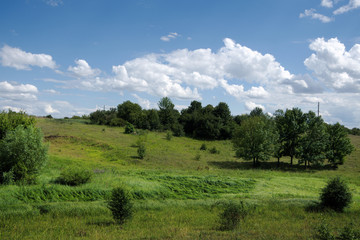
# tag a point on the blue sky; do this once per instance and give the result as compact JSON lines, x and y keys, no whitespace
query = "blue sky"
{"x":70,"y":57}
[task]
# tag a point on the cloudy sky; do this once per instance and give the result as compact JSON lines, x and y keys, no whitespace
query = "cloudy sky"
{"x":67,"y":57}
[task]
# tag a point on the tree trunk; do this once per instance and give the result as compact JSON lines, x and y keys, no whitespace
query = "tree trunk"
{"x":254,"y":164}
{"x":278,"y":163}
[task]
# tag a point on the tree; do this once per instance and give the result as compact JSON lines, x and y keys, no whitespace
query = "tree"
{"x":336,"y":195}
{"x":279,"y":117}
{"x":338,"y":144}
{"x":254,"y":139}
{"x":120,"y":205}
{"x":294,"y":123}
{"x":167,"y":114}
{"x":312,"y":144}
{"x":130,"y":112}
{"x":10,"y":120}
{"x":22,"y":154}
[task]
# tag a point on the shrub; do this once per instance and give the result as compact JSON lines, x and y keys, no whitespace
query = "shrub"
{"x":203,"y":147}
{"x":120,"y":205}
{"x":10,"y":120}
{"x":197,"y":157}
{"x":141,"y":150}
{"x":232,"y":214}
{"x":169,"y":135}
{"x":129,"y":128}
{"x":213,"y":150}
{"x":74,"y":176}
{"x":23,"y":153}
{"x":335,"y":195}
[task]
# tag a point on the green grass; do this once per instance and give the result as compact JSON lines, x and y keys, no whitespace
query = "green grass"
{"x":176,"y":189}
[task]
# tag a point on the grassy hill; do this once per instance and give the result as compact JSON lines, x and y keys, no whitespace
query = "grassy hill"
{"x":176,"y":187}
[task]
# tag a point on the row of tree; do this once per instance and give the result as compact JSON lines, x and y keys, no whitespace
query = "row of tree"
{"x":292,"y":133}
{"x":195,"y":121}
{"x":256,"y":136}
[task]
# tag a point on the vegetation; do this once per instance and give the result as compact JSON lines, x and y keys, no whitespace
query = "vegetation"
{"x":171,"y":194}
{"x":74,"y":176}
{"x":120,"y":205}
{"x":22,"y":155}
{"x":336,"y":195}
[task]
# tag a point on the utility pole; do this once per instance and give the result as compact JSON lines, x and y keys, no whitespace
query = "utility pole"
{"x":318,"y":109}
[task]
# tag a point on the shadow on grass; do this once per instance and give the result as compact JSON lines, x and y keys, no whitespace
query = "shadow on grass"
{"x":268,"y":166}
{"x":101,"y":222}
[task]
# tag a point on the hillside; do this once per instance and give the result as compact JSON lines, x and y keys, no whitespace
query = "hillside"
{"x":176,"y":188}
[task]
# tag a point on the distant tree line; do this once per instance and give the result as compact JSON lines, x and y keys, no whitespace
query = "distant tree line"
{"x":256,"y":136}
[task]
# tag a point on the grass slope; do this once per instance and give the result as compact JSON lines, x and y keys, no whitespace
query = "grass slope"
{"x":176,"y":188}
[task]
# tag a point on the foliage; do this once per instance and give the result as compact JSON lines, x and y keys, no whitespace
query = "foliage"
{"x":74,"y":176}
{"x":203,"y":147}
{"x":169,"y":135}
{"x":312,"y":145}
{"x":336,"y":195}
{"x":120,"y":204}
{"x":338,"y":144}
{"x":324,"y":232}
{"x":129,"y":128}
{"x":10,"y":120}
{"x":141,"y":150}
{"x":23,"y":153}
{"x":254,"y":139}
{"x":232,"y":214}
{"x":213,"y":150}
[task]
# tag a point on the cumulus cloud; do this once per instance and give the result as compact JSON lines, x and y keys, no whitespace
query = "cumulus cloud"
{"x":19,"y":59}
{"x":304,"y":84}
{"x":83,"y":69}
{"x":17,"y":92}
{"x":327,"y":3}
{"x":144,"y":103}
{"x":353,"y":4}
{"x":251,"y":105}
{"x":332,"y":64}
{"x":311,"y":13}
{"x":169,"y":37}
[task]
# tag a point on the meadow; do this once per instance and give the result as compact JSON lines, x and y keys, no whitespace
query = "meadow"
{"x":177,"y":189}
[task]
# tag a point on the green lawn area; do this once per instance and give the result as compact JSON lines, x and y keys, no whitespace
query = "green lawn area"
{"x":176,"y":189}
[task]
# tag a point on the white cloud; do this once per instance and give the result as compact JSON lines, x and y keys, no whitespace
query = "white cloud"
{"x":327,"y":3}
{"x":251,"y":105}
{"x":257,"y":92}
{"x":144,"y":103}
{"x":17,"y":92}
{"x":83,"y":69}
{"x":169,"y":37}
{"x":19,"y":59}
{"x":48,"y":109}
{"x":51,"y":91}
{"x":353,"y":4}
{"x":312,"y":14}
{"x":332,"y":64}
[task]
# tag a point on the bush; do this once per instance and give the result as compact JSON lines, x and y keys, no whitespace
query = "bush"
{"x":203,"y":147}
{"x":10,"y":120}
{"x":141,"y":150}
{"x":232,"y":214}
{"x":120,"y":205}
{"x":74,"y":176}
{"x":169,"y":135}
{"x":22,"y":153}
{"x":335,"y":195}
{"x":129,"y":128}
{"x":214,"y":151}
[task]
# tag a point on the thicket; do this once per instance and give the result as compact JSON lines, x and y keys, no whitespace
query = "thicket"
{"x":22,"y":151}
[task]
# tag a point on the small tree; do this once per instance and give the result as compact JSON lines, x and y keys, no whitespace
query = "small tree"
{"x":338,"y":144}
{"x":336,"y":195}
{"x":120,"y":205}
{"x":129,"y":128}
{"x":254,"y":139}
{"x":141,"y":150}
{"x":22,"y":153}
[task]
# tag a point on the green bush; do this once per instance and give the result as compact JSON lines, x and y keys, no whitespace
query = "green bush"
{"x":22,"y":153}
{"x":129,"y":128}
{"x":120,"y":205}
{"x":324,"y":232}
{"x":203,"y":147}
{"x":232,"y":214}
{"x":141,"y":150}
{"x":336,"y":195}
{"x":74,"y":176}
{"x":213,"y":150}
{"x":10,"y":120}
{"x":169,"y":135}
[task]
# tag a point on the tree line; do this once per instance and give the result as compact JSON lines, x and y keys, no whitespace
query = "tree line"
{"x":256,"y":136}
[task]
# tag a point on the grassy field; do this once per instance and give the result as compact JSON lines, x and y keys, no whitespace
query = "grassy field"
{"x":177,"y":189}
